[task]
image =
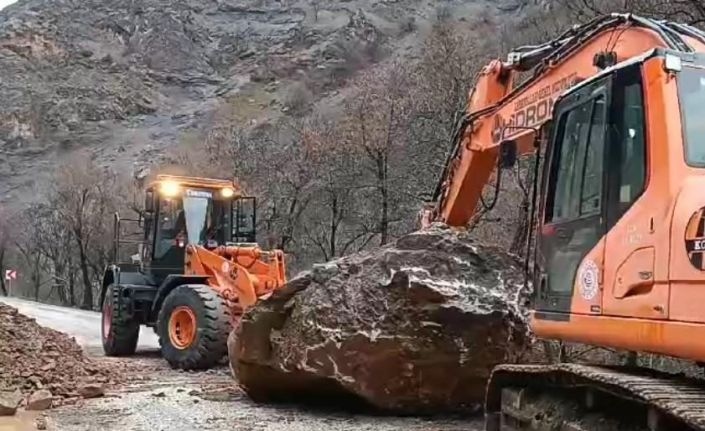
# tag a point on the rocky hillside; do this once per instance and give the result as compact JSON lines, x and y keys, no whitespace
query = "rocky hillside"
{"x":125,"y":80}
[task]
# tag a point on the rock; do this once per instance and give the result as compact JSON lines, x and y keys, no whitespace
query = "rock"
{"x":33,"y":357}
{"x":37,"y":382}
{"x":91,"y":390}
{"x":41,"y":423}
{"x":9,"y":401}
{"x":39,"y":400}
{"x":415,"y":327}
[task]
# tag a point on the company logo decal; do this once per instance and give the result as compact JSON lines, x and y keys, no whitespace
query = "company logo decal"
{"x":695,"y":239}
{"x":531,"y":110}
{"x":589,"y":280}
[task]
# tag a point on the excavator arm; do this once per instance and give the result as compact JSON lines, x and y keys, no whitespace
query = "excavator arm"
{"x":504,"y":117}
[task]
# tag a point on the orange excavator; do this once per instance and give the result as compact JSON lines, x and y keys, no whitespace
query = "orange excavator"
{"x":198,"y":267}
{"x":613,"y":113}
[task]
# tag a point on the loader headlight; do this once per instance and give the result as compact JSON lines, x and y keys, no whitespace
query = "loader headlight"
{"x":227,"y":193}
{"x":169,"y":188}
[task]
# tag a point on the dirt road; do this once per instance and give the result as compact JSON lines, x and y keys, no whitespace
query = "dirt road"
{"x":165,"y":399}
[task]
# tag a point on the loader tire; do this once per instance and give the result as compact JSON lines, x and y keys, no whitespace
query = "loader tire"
{"x":193,"y":327}
{"x":118,"y":332}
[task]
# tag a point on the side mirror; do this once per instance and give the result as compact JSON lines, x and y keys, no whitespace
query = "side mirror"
{"x":507,"y":154}
{"x":146,"y":217}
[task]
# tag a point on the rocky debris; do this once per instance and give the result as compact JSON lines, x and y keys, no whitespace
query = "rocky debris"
{"x":91,"y":390}
{"x":41,"y":423}
{"x":39,"y":400}
{"x":9,"y":401}
{"x":45,"y":364}
{"x":414,"y":327}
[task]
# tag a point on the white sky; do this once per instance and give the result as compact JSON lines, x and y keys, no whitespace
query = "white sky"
{"x":4,"y":3}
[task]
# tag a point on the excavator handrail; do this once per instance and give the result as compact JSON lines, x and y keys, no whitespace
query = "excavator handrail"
{"x":117,"y":240}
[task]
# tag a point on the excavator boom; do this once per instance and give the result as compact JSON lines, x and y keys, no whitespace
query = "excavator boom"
{"x":499,"y":111}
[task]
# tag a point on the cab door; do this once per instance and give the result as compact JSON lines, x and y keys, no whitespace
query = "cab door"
{"x":637,"y":217}
{"x":570,"y":248}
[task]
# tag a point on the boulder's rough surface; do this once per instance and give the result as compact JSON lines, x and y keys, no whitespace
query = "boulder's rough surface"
{"x":411,"y":328}
{"x":9,"y":401}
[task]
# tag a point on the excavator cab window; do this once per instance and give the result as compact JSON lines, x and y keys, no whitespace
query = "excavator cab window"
{"x":691,"y":86}
{"x":627,"y":132}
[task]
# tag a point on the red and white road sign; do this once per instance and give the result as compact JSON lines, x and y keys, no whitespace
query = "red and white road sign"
{"x":10,"y":274}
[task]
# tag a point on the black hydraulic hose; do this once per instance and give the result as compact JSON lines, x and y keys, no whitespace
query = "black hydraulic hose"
{"x":532,"y":216}
{"x":497,"y":186}
{"x":687,"y":30}
{"x":462,"y":124}
{"x":670,"y":36}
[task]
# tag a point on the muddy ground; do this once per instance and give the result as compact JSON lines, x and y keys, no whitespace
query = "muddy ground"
{"x":164,"y":399}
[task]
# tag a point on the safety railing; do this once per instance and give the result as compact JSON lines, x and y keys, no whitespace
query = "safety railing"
{"x":134,"y":236}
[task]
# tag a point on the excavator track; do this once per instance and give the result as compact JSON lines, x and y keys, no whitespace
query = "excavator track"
{"x":575,"y":397}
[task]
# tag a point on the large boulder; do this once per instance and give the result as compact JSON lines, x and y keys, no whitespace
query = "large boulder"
{"x":9,"y":402}
{"x":414,"y":327}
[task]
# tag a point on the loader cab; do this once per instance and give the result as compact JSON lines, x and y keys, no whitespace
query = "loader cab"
{"x":180,"y":211}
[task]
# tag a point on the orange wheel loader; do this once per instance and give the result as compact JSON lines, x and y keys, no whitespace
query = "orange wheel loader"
{"x":196,"y":269}
{"x":613,"y":112}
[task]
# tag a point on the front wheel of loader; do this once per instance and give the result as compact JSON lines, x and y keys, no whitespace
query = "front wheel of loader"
{"x":193,"y":327}
{"x":118,"y":332}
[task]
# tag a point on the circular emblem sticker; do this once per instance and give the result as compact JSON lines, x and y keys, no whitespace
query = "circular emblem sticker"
{"x":588,"y":277}
{"x":695,"y":239}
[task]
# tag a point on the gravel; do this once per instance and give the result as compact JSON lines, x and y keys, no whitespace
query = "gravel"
{"x":175,"y":400}
{"x":156,"y":397}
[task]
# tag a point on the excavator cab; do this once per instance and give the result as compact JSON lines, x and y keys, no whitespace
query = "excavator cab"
{"x":622,"y":182}
{"x":196,"y":269}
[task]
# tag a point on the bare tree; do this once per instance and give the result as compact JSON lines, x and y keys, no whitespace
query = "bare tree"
{"x":376,"y":122}
{"x":66,"y":233}
{"x":688,"y":11}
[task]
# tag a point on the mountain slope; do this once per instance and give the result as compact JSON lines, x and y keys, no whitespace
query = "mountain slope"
{"x":126,"y":80}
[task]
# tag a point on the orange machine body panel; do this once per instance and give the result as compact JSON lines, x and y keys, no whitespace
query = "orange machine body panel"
{"x":651,"y":294}
{"x":239,"y":274}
